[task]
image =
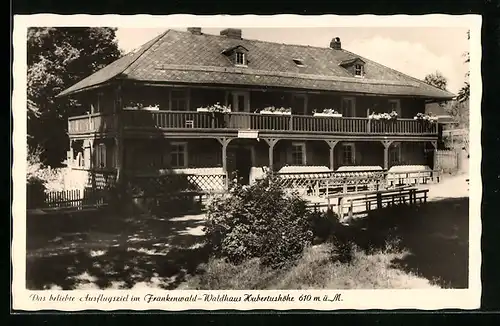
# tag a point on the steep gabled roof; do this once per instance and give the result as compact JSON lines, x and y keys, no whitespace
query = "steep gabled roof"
{"x":182,"y":57}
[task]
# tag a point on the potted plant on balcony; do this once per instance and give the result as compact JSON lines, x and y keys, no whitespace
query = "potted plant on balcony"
{"x":426,"y":118}
{"x":154,"y":107}
{"x":332,"y":113}
{"x":216,"y":108}
{"x":133,"y":106}
{"x":217,"y":112}
{"x":277,"y":111}
{"x":392,"y":116}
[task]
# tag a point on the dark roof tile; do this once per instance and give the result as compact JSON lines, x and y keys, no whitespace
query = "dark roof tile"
{"x":181,"y":57}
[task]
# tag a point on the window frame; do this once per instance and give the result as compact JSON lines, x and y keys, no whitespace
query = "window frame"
{"x":303,"y":156}
{"x":101,"y":156}
{"x":361,"y":70}
{"x":184,"y":154}
{"x":243,"y":58}
{"x":352,"y":146}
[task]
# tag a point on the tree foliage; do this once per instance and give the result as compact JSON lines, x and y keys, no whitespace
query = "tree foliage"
{"x":464,"y":92}
{"x":259,"y":221}
{"x":436,"y":79}
{"x":57,"y":59}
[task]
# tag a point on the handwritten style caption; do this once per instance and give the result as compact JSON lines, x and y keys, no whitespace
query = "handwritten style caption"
{"x":154,"y":298}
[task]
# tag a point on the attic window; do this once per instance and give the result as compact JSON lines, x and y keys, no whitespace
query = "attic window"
{"x":358,"y":70}
{"x":240,"y":58}
{"x":299,"y":62}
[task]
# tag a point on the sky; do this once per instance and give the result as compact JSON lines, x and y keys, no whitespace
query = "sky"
{"x":415,"y":51}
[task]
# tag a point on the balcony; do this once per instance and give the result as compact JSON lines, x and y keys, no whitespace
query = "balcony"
{"x":142,"y":120}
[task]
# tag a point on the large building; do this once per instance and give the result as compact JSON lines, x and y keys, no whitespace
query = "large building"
{"x":209,"y":105}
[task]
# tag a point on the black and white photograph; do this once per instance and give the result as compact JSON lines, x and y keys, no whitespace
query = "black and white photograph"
{"x":228,"y":154}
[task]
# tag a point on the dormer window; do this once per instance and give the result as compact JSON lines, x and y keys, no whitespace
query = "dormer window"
{"x":237,"y":55}
{"x":240,"y":59}
{"x":358,"y":70}
{"x":355,"y":66}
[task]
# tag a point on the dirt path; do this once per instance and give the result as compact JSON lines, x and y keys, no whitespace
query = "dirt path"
{"x":141,"y":252}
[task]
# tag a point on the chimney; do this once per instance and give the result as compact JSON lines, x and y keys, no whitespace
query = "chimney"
{"x":335,"y":43}
{"x":194,"y":30}
{"x":231,"y":33}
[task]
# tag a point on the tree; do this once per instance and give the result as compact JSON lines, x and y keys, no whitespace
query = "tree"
{"x":57,"y":59}
{"x":464,"y":92}
{"x":437,"y":80}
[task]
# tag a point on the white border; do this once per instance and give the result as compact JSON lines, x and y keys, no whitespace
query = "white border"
{"x":352,"y":299}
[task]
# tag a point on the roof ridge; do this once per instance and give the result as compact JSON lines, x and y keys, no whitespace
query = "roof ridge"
{"x":158,"y":38}
{"x":261,"y":41}
{"x":399,"y":72}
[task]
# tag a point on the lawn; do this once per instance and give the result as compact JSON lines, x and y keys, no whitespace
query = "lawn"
{"x":405,"y":247}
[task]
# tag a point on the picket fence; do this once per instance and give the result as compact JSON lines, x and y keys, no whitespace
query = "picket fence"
{"x":74,"y":199}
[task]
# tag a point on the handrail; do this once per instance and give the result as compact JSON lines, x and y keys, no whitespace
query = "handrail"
{"x":162,"y":119}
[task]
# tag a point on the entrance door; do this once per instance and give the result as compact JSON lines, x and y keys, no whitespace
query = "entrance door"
{"x":299,"y":104}
{"x":240,"y":102}
{"x":243,"y":164}
{"x":348,"y":107}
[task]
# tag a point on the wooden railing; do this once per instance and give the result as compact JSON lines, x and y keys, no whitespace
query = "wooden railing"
{"x":142,"y":119}
{"x":95,"y":122}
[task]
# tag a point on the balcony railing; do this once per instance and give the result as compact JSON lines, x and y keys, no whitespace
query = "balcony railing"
{"x":188,"y":120}
{"x":96,"y":122}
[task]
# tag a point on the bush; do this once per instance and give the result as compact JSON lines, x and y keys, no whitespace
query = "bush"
{"x":35,"y":192}
{"x":323,"y":225}
{"x":258,"y":221}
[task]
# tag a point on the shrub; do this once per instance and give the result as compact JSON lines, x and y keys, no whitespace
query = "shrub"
{"x":323,"y":225}
{"x":35,"y":192}
{"x":258,"y":221}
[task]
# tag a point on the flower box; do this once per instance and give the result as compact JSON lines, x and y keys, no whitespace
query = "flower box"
{"x":275,"y":112}
{"x":151,"y":108}
{"x":327,"y":115}
{"x":216,"y":108}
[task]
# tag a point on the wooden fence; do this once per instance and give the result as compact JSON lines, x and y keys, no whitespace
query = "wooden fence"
{"x":447,"y":161}
{"x":74,"y":199}
{"x":326,"y":183}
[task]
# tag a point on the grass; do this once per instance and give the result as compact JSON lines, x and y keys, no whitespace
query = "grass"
{"x":405,"y":247}
{"x":319,"y":268}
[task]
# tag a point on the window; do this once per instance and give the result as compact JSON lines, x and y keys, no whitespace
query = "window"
{"x":348,"y":107}
{"x":178,"y":155}
{"x":298,"y":154}
{"x":101,"y":156}
{"x":240,"y":58}
{"x":299,"y":62}
{"x":178,"y":100}
{"x":358,"y":70}
{"x":395,"y":105}
{"x":348,"y":154}
{"x":395,"y":153}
